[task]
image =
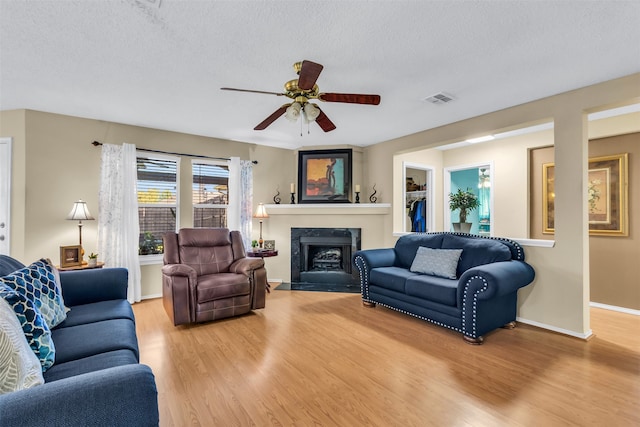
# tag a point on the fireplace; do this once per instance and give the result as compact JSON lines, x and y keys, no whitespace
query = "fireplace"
{"x":323,"y":255}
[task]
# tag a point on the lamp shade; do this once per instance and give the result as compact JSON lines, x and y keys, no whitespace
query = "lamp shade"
{"x":293,"y":112}
{"x":261,"y":212}
{"x":80,"y":212}
{"x":311,"y":112}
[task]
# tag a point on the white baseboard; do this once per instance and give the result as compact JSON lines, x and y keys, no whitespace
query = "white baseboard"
{"x":274,"y":280}
{"x":615,"y":308}
{"x":152,"y":296}
{"x":584,"y":336}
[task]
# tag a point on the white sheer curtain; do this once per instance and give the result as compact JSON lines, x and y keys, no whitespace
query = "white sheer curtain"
{"x":118,"y":228}
{"x":239,"y":215}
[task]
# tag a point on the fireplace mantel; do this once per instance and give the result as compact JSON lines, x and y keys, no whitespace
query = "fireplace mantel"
{"x":330,"y":209}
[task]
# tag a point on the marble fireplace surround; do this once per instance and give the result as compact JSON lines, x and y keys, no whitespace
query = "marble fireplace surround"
{"x":309,"y":243}
{"x":373,"y":220}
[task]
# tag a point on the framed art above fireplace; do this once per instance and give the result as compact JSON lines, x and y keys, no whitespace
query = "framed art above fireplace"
{"x":324,"y":176}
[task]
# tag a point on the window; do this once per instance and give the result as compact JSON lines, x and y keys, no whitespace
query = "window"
{"x":210,"y":193}
{"x":157,"y":201}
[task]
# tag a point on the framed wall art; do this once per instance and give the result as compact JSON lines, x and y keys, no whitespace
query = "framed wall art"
{"x":607,"y":192}
{"x":324,"y":176}
{"x":70,"y":256}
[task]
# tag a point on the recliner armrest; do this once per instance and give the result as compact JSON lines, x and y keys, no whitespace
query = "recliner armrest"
{"x":246,"y":265}
{"x":179,"y":270}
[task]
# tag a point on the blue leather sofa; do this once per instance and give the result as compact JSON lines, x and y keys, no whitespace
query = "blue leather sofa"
{"x":96,"y":379}
{"x":481,"y":298}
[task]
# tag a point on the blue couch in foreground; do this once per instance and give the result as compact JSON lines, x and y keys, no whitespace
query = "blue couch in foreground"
{"x":467,"y":283}
{"x":96,"y":379}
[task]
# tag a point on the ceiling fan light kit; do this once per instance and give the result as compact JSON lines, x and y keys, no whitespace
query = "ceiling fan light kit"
{"x":301,"y":90}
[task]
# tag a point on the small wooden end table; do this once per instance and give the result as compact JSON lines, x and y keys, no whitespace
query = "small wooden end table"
{"x":80,"y":267}
{"x":263,"y":253}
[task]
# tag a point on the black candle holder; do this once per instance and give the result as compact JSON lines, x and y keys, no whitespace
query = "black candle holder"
{"x":293,"y":198}
{"x":357,"y":197}
{"x":372,"y":197}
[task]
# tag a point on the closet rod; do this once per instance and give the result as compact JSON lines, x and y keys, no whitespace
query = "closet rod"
{"x":255,"y":162}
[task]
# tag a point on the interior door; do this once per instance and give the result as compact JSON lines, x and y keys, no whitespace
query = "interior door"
{"x":5,"y":194}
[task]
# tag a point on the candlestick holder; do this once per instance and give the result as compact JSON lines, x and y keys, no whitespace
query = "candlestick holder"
{"x":293,"y":198}
{"x":357,"y":197}
{"x":372,"y":197}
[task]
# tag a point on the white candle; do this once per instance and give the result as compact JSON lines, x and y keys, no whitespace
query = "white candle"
{"x":293,"y":188}
{"x":357,"y":188}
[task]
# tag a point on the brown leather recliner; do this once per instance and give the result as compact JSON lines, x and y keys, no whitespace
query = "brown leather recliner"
{"x":207,"y":276}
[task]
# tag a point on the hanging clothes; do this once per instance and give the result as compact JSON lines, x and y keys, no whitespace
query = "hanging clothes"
{"x":418,"y":215}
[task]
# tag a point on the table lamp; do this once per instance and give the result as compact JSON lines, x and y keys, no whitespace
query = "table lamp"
{"x":80,"y":212}
{"x":261,"y":213}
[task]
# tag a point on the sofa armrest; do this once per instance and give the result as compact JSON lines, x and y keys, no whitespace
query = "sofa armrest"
{"x":94,"y":285}
{"x":119,"y":396}
{"x":373,"y":258}
{"x":368,"y":259}
{"x":494,"y":280}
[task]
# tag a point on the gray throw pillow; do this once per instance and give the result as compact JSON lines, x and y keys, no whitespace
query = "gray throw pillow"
{"x":436,"y":262}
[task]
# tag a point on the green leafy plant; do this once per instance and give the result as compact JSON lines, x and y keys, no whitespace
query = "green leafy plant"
{"x":150,"y":244}
{"x":93,"y":256}
{"x":254,"y":243}
{"x":465,"y":201}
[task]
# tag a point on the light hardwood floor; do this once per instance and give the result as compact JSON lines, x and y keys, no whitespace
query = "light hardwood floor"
{"x":322,"y":359}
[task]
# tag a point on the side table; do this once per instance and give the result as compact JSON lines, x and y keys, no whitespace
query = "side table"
{"x":263,"y":253}
{"x":80,"y":267}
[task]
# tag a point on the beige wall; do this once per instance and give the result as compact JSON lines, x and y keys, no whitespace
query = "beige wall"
{"x":12,"y":124}
{"x":371,"y":221}
{"x":612,"y":280}
{"x":559,"y":296}
{"x":63,"y":167}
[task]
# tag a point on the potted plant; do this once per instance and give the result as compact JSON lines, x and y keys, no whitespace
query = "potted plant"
{"x":464,"y":201}
{"x":93,"y":260}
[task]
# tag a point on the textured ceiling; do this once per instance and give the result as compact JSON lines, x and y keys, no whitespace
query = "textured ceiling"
{"x":160,"y":63}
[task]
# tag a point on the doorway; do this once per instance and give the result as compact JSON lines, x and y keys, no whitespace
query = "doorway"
{"x":5,"y":194}
{"x":478,"y":179}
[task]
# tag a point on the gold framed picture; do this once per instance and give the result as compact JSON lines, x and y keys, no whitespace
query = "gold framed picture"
{"x":70,"y":256}
{"x":607,"y":192}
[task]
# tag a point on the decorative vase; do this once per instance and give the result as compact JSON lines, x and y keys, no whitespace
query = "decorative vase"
{"x":92,"y":262}
{"x":462,"y":227}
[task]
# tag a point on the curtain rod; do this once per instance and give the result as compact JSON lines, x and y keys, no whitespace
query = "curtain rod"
{"x":255,"y":162}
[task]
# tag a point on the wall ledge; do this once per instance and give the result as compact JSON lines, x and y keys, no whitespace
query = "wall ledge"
{"x":329,"y":209}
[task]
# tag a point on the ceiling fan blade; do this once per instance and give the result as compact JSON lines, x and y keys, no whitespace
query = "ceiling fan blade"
{"x":351,"y":98}
{"x":251,"y":91}
{"x":323,"y":121}
{"x":272,"y":118}
{"x":309,"y":73}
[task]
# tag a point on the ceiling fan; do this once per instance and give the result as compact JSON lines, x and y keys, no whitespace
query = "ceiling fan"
{"x":302,"y":90}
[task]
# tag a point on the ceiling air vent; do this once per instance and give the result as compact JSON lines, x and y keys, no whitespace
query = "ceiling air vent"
{"x":439,"y":98}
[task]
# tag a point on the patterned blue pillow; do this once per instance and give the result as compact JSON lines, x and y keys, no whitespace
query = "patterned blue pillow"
{"x":38,"y":283}
{"x":35,"y":328}
{"x":436,"y":262}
